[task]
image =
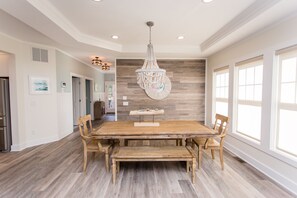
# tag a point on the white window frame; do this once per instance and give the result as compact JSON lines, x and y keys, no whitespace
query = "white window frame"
{"x":216,"y":99}
{"x":283,"y":54}
{"x":253,"y":62}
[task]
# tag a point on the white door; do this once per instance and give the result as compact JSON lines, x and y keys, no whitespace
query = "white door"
{"x":109,"y":96}
{"x":76,"y":99}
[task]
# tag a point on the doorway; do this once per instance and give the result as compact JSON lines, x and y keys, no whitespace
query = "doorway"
{"x":76,"y":99}
{"x":109,"y":96}
{"x":88,"y":97}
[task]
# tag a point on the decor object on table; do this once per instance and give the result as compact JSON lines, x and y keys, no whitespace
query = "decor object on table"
{"x":150,"y":76}
{"x":146,"y":112}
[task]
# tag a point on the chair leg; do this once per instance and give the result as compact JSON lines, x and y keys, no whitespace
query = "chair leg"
{"x":199,"y":156}
{"x":107,"y":160}
{"x":126,"y":142}
{"x":193,"y":145}
{"x":193,"y":170}
{"x":212,"y":153}
{"x":188,"y":166}
{"x":118,"y":167}
{"x":114,"y":171}
{"x":221,"y":158}
{"x":85,"y":160}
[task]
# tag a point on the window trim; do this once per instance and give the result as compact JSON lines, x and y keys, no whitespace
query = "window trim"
{"x":251,"y":62}
{"x":283,"y":54}
{"x":220,"y":70}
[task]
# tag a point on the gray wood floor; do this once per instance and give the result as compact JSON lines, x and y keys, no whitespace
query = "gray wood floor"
{"x":55,"y":170}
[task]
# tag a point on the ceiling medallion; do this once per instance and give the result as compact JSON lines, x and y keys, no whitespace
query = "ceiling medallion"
{"x":150,"y":77}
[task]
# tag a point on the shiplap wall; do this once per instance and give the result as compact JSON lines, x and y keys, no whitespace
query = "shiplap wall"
{"x":186,"y":100}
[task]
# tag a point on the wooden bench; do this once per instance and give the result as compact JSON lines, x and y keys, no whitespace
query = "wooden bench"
{"x":166,"y":153}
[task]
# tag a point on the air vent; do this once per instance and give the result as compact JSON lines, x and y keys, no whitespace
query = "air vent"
{"x":40,"y":55}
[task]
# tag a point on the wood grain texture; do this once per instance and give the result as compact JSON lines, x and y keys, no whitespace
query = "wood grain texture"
{"x":186,"y":100}
{"x":55,"y":170}
{"x":166,"y":130}
{"x":149,"y":154}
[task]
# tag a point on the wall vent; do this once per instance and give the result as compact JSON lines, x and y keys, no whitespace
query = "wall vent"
{"x":40,"y":55}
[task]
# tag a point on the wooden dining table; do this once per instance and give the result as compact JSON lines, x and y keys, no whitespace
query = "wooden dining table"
{"x":166,"y":130}
{"x":126,"y":130}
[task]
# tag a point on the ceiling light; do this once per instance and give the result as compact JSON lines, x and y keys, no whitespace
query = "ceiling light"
{"x":180,"y":37}
{"x":97,"y":61}
{"x":150,"y":75}
{"x":207,"y":1}
{"x":105,"y":66}
{"x":97,"y":0}
{"x":114,"y":36}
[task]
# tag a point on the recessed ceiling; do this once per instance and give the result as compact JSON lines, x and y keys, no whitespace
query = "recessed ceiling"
{"x":85,"y":28}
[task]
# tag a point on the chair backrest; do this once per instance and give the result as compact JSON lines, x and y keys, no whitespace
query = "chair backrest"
{"x":221,"y":124}
{"x":85,"y":125}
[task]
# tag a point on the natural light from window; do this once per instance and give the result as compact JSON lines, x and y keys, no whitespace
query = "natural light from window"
{"x":221,"y":92}
{"x":249,"y":89}
{"x":287,"y":106}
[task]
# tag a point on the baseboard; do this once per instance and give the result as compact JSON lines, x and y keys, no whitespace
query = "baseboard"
{"x":272,"y":174}
{"x":62,"y":135}
{"x":19,"y":147}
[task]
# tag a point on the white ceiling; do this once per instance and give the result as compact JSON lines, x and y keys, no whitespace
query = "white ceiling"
{"x":83,"y":28}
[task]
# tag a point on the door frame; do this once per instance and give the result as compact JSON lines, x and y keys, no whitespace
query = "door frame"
{"x":105,"y":96}
{"x":79,"y":98}
{"x":91,"y":95}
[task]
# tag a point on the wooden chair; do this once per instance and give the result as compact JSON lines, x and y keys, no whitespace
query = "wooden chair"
{"x":221,"y":125}
{"x":90,"y":144}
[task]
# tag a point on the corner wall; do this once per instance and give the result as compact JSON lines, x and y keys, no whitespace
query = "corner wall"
{"x":66,"y":68}
{"x":34,"y":117}
{"x":41,"y":118}
{"x":262,"y":157}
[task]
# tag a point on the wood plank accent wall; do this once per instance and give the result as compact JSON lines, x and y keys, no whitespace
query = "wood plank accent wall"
{"x":186,"y":100}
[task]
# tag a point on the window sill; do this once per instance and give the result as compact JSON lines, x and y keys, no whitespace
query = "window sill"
{"x":279,"y":155}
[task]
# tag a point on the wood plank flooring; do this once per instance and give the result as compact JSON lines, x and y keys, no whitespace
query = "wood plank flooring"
{"x":55,"y":170}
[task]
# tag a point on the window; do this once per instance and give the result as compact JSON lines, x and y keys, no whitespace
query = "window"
{"x":249,"y":97}
{"x":286,"y":134}
{"x":221,"y":84}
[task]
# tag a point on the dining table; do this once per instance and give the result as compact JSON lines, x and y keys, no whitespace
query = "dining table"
{"x":176,"y":129}
{"x":126,"y":130}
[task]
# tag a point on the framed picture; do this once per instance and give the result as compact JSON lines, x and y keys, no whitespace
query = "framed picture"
{"x":39,"y":85}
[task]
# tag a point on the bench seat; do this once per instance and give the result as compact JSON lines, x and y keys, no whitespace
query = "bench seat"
{"x":149,"y":153}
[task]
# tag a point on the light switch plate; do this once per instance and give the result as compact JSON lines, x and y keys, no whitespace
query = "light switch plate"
{"x":124,"y":97}
{"x":125,"y":103}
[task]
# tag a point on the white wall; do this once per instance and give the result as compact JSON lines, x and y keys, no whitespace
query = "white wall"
{"x":4,"y":64}
{"x":38,"y":119}
{"x":66,"y":68}
{"x":282,"y":170}
{"x":34,"y":117}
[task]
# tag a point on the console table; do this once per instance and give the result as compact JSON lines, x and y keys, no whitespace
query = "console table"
{"x":146,"y":112}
